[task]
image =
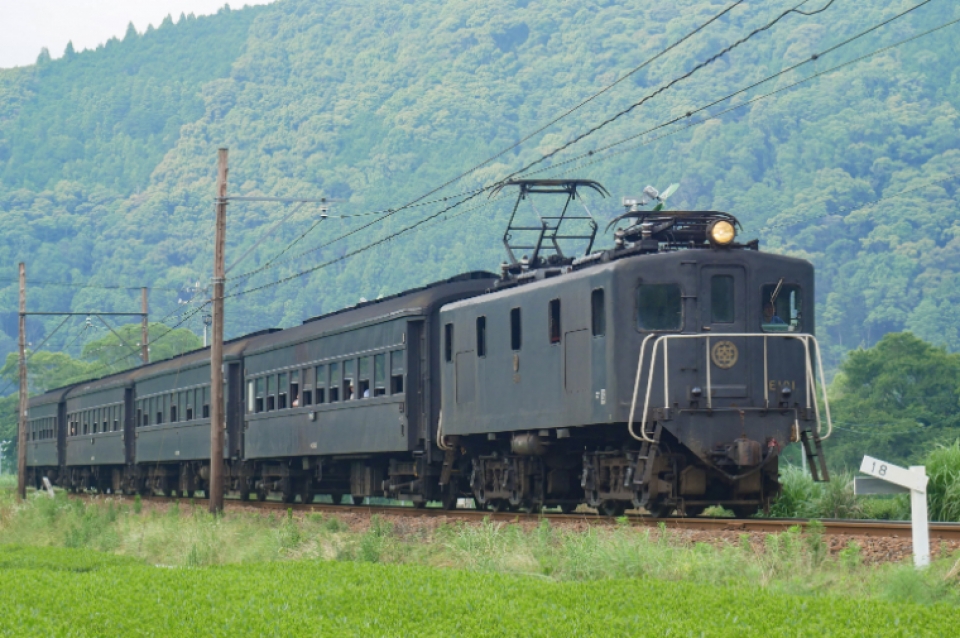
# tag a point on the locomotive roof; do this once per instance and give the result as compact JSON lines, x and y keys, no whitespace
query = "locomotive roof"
{"x":410,"y":302}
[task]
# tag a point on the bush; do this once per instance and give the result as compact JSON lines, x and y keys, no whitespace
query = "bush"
{"x":943,"y":490}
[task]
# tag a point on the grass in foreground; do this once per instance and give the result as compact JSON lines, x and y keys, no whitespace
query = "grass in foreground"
{"x":186,"y":536}
{"x":97,"y":595}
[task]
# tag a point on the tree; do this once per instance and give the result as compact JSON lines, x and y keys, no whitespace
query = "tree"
{"x":894,"y":401}
{"x":112,"y":353}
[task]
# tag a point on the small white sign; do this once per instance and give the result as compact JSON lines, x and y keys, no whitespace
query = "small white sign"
{"x":913,"y":479}
{"x":895,"y":474}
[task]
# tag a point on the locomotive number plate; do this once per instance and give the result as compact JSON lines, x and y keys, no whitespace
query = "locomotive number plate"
{"x":724,"y":354}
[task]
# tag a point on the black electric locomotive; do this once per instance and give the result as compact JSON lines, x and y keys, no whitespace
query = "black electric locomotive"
{"x":666,"y":373}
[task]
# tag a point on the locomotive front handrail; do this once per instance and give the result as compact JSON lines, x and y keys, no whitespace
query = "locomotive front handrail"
{"x":809,"y":377}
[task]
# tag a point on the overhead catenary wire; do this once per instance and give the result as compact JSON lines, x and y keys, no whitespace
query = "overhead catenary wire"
{"x":714,"y":116}
{"x":472,"y":196}
{"x":473,"y":193}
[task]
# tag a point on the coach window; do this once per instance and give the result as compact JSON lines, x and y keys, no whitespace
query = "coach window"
{"x":598,"y":313}
{"x":363,"y":388}
{"x":515,"y":329}
{"x":349,"y":375}
{"x":139,"y":414}
{"x":271,"y":392}
{"x":481,"y":336}
{"x":182,"y":409}
{"x":282,"y":392}
{"x":334,"y":382}
{"x":258,"y":395}
{"x":658,"y":307}
{"x":105,"y":419}
{"x":396,"y":372}
{"x":554,"y":323}
{"x":206,"y":402}
{"x":309,"y":382}
{"x":722,"y":302}
{"x":448,"y":342}
{"x":116,"y":418}
{"x":320,"y":372}
{"x":294,"y":388}
{"x":379,"y":375}
{"x":780,"y":307}
{"x":173,"y":408}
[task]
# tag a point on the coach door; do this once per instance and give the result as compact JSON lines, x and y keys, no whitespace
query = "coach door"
{"x":723,"y":311}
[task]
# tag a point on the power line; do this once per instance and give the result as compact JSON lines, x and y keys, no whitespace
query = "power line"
{"x":675,"y":81}
{"x":738,"y":92}
{"x":92,"y":286}
{"x":594,"y":129}
{"x":474,"y":193}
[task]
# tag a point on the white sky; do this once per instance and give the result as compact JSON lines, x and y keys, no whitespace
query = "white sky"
{"x":26,"y":26}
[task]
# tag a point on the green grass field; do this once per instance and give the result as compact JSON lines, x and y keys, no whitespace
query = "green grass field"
{"x":64,"y":592}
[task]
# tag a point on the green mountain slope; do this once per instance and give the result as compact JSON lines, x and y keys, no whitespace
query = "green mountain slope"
{"x":107,"y":158}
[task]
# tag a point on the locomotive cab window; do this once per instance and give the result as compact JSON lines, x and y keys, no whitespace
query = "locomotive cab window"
{"x":781,"y":306}
{"x":554,"y":322}
{"x":448,"y":342}
{"x":515,"y":329}
{"x":722,"y":302}
{"x":659,"y":307}
{"x":598,"y":313}
{"x":481,"y":336}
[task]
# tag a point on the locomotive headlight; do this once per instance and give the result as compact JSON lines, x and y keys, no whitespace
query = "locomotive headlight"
{"x":721,"y":232}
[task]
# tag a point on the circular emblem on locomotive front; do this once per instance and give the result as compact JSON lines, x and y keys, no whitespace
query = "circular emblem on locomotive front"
{"x":724,"y":354}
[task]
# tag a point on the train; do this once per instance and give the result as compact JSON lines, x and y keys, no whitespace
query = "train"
{"x":666,"y":373}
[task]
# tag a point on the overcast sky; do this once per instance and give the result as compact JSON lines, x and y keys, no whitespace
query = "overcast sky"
{"x":30,"y":25}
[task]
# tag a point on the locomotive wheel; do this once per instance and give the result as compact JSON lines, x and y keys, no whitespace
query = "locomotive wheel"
{"x":612,"y":508}
{"x":567,"y":508}
{"x":337,"y":498}
{"x":356,"y":500}
{"x":262,"y":493}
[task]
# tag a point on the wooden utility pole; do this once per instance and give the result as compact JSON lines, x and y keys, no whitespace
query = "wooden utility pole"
{"x":217,"y":421}
{"x":144,"y":328}
{"x":22,"y":411}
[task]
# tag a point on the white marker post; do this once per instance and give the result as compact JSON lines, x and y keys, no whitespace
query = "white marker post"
{"x":894,"y":479}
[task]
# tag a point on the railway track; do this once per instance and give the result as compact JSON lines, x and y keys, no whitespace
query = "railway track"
{"x":836,"y":527}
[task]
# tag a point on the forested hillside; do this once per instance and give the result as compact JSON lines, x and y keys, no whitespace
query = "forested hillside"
{"x":107,"y":157}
